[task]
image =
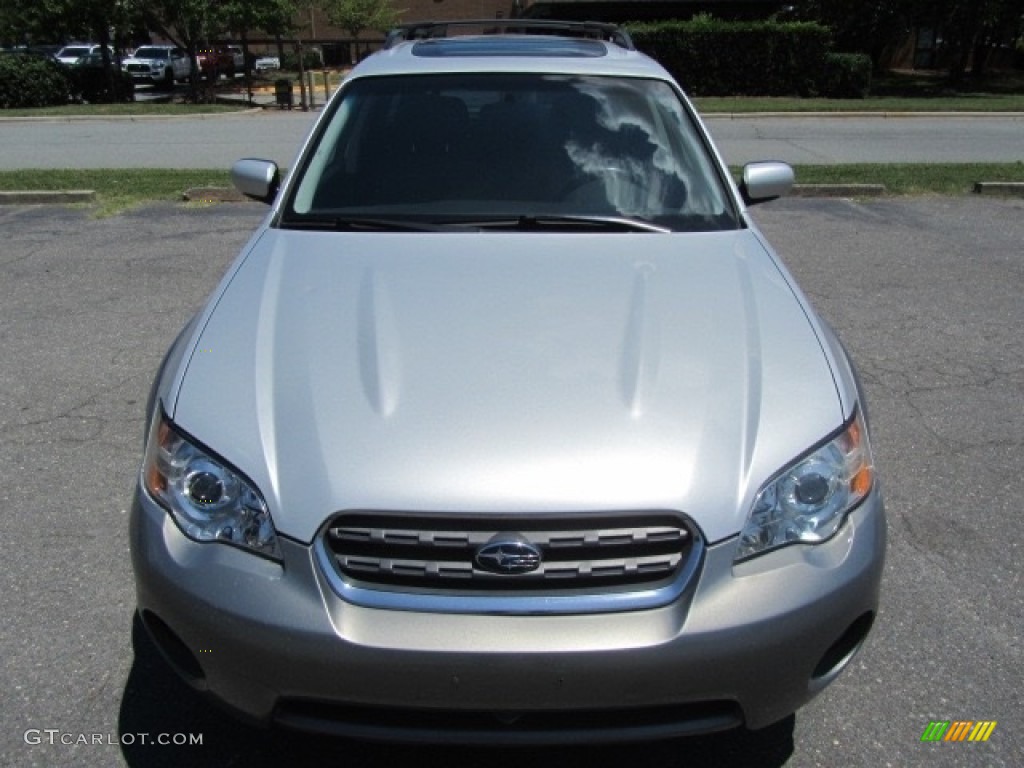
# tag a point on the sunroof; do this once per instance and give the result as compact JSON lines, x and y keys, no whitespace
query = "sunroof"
{"x":525,"y":45}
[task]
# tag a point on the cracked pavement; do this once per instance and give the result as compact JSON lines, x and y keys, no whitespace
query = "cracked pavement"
{"x":928,"y":294}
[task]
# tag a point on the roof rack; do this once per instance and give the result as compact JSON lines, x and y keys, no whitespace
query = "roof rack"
{"x":421,"y":30}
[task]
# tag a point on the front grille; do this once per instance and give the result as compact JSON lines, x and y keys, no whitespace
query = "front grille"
{"x":581,"y":554}
{"x":548,"y":727}
{"x":138,"y":68}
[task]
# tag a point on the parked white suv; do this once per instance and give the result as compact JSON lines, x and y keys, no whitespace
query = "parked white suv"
{"x":158,"y":64}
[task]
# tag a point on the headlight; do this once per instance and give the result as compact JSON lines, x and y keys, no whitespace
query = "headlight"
{"x":808,"y":500}
{"x":209,"y":500}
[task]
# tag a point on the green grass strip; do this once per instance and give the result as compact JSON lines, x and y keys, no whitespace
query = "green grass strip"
{"x":141,"y":183}
{"x":118,"y":189}
{"x":913,"y":179}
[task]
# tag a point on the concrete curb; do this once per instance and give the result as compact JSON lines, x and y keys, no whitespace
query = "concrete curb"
{"x":1002,"y":188}
{"x":45,"y":197}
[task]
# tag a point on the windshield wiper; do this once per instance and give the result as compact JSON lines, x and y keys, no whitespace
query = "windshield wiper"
{"x":521,"y":223}
{"x":361,"y":224}
{"x":536,"y":222}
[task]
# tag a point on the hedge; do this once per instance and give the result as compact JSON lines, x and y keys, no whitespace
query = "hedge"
{"x":710,"y":57}
{"x":31,"y":81}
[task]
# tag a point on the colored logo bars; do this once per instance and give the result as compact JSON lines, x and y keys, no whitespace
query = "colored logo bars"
{"x":958,"y":730}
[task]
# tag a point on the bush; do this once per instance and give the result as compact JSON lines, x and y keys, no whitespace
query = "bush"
{"x":710,"y":57}
{"x":846,"y":76}
{"x":31,"y":81}
{"x":101,"y":86}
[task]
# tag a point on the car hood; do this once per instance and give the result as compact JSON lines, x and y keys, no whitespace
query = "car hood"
{"x":497,"y":372}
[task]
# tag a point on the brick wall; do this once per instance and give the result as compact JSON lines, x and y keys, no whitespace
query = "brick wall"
{"x":318,"y":28}
{"x":420,"y":10}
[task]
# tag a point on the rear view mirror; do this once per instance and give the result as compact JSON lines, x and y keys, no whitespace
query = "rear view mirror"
{"x":765,"y":181}
{"x":258,"y":179}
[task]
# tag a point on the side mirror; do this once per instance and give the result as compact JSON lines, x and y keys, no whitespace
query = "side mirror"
{"x":258,"y":179}
{"x":765,"y":181}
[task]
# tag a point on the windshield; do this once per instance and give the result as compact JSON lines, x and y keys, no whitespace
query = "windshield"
{"x":75,"y":51}
{"x":479,"y":147}
{"x":151,"y":53}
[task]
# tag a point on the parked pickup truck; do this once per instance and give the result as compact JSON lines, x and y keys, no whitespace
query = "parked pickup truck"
{"x":215,"y":61}
{"x":158,"y":64}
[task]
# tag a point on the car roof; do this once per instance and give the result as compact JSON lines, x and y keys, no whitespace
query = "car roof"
{"x":517,"y":46}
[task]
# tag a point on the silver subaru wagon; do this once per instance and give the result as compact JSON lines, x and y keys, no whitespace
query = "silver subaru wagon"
{"x":507,"y":425}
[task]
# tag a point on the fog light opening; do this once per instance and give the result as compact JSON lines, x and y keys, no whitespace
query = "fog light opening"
{"x":174,"y":650}
{"x":841,"y":651}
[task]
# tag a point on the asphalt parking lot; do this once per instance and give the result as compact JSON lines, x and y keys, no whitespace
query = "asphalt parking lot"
{"x":926,"y":293}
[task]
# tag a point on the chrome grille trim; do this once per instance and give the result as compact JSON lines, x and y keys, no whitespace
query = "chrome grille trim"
{"x":591,"y":563}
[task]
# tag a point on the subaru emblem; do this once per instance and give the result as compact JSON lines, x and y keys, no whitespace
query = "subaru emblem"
{"x":508,"y":555}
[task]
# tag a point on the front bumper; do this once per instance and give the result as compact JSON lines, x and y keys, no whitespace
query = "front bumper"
{"x":145,"y":75}
{"x":750,"y":644}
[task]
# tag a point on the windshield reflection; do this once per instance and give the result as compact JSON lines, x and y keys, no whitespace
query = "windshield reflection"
{"x":482,"y":145}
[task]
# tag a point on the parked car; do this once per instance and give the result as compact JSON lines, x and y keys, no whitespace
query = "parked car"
{"x":158,"y":64}
{"x":214,"y":61}
{"x":71,"y":54}
{"x":507,"y":425}
{"x":94,"y":81}
{"x":237,"y":57}
{"x":267,"y":62}
{"x":37,"y":51}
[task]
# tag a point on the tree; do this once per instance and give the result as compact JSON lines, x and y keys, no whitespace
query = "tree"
{"x":969,"y":28}
{"x":276,"y":17}
{"x":52,"y":21}
{"x":355,"y":16}
{"x":186,"y":23}
{"x":973,"y":28}
{"x":189,"y":23}
{"x":861,"y":26}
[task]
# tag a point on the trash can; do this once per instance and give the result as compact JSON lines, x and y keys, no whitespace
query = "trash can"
{"x":283,"y":93}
